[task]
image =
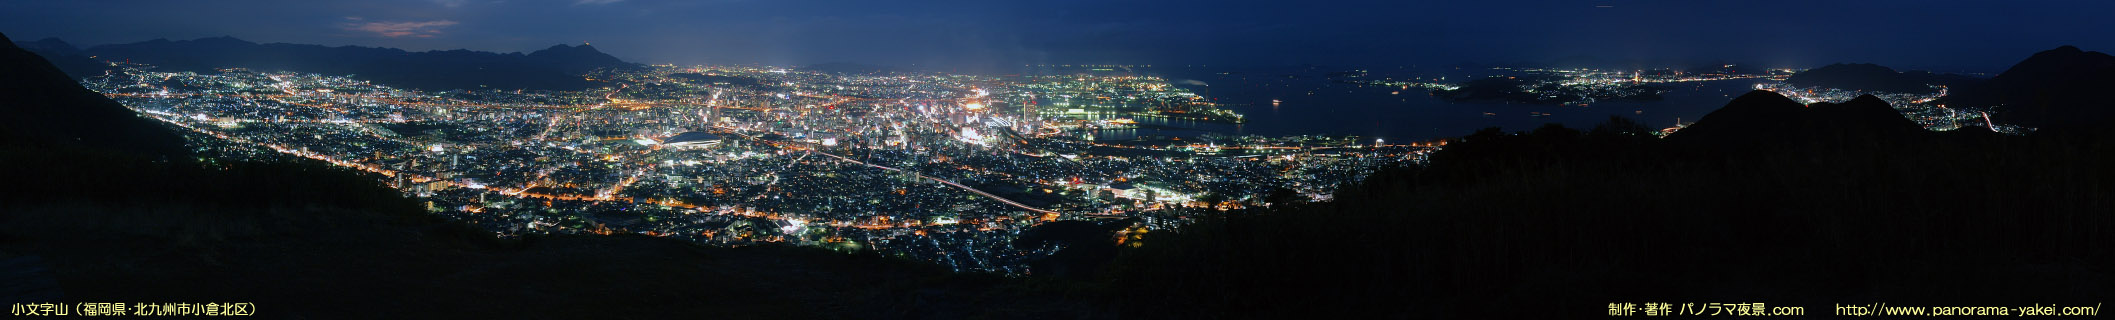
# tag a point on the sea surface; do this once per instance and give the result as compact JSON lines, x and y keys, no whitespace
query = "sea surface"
{"x":1311,"y":102}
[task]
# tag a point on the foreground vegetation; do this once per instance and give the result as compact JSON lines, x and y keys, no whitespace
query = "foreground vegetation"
{"x":1559,"y":223}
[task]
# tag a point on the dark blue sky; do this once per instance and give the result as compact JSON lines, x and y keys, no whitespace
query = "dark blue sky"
{"x":1939,"y":35}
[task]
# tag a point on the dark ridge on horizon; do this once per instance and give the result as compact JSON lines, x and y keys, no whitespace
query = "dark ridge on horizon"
{"x":1875,"y":78}
{"x":2061,"y":89}
{"x":559,"y":67}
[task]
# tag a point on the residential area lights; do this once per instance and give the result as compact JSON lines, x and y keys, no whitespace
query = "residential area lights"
{"x":939,"y":167}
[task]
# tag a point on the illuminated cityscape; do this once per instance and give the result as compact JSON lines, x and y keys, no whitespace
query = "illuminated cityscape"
{"x":944,"y":168}
{"x":1244,"y":159}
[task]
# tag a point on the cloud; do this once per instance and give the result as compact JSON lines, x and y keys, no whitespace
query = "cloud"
{"x":398,"y":29}
{"x":451,"y":3}
{"x":581,"y":2}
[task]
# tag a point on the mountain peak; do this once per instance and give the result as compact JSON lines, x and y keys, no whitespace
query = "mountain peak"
{"x":1867,"y":99}
{"x":1871,"y":77}
{"x":1764,"y":117}
{"x":1865,"y":114}
{"x":223,"y":40}
{"x":1752,"y":116}
{"x":571,"y":50}
{"x":1764,"y":100}
{"x":2053,"y":89}
{"x":52,"y":40}
{"x":2064,"y":54}
{"x":577,"y":59}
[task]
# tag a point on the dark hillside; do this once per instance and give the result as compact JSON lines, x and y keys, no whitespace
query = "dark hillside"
{"x":64,"y":55}
{"x":41,"y":106}
{"x":1570,"y":221}
{"x":2063,"y":89}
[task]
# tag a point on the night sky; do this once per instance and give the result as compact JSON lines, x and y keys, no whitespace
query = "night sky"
{"x":1950,"y":36}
